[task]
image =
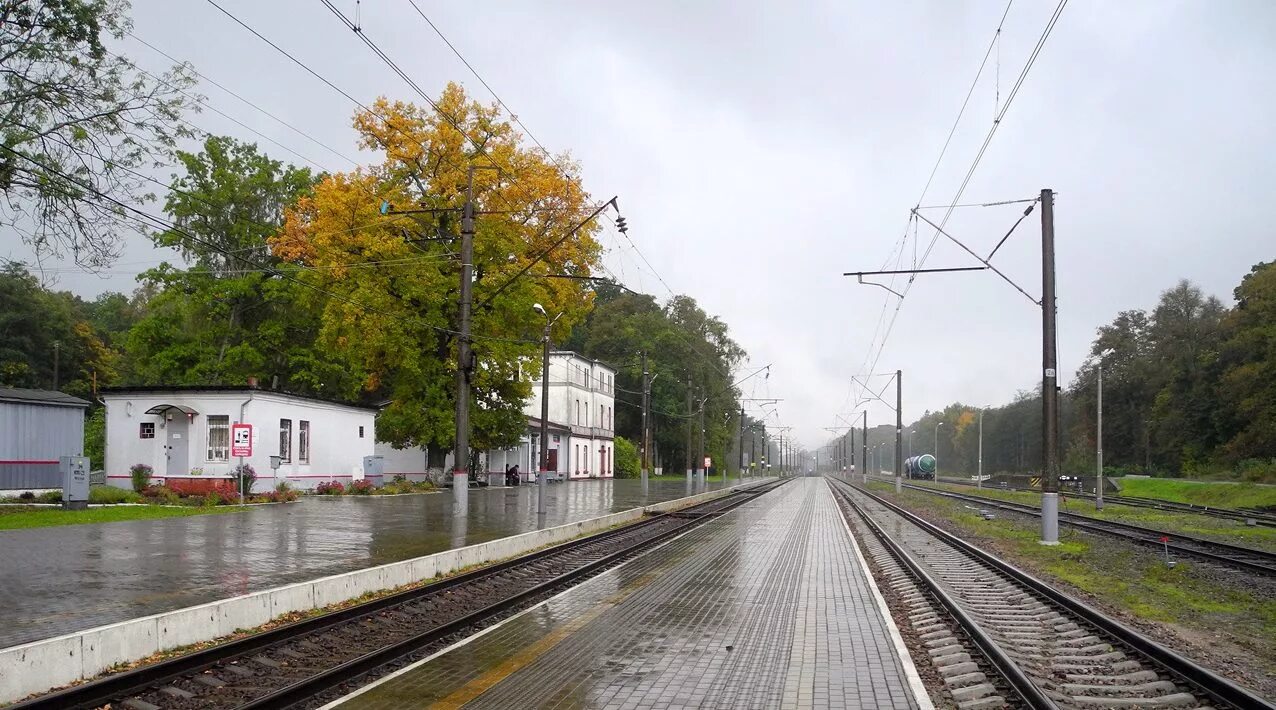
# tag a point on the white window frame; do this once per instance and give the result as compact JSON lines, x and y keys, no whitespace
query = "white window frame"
{"x":218,"y":428}
{"x":303,"y":442}
{"x":285,"y":441}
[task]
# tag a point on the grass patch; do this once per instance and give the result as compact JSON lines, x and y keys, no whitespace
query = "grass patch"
{"x":1204,"y":601}
{"x":18,"y":517}
{"x":1223,"y":495}
{"x":1194,"y":524}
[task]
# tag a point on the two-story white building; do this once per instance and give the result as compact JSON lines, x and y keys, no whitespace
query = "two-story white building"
{"x":581,"y":428}
{"x":582,"y":400}
{"x":187,"y":436}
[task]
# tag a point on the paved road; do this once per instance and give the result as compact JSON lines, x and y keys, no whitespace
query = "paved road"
{"x":58,"y":580}
{"x":765,"y":607}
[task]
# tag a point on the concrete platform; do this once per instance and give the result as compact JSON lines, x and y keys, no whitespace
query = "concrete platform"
{"x":61,"y":580}
{"x":769,"y":606}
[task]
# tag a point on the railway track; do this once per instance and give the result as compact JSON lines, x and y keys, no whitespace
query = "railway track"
{"x":999,"y":637}
{"x":306,"y":663}
{"x":1242,"y":515}
{"x":1234,"y":556}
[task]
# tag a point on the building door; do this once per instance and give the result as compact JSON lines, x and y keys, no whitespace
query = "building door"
{"x":177,"y":444}
{"x":551,"y":460}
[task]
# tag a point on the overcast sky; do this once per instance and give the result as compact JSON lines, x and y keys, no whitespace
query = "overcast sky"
{"x":761,"y":148}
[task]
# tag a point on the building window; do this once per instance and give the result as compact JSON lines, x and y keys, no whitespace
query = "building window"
{"x":361,"y":432}
{"x":285,"y":441}
{"x":611,"y":424}
{"x":218,"y":438}
{"x":602,"y":419}
{"x":146,"y":430}
{"x":303,"y":441}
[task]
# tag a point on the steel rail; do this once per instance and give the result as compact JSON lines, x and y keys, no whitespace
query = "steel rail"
{"x":104,"y":691}
{"x":1032,"y":695}
{"x":338,"y":675}
{"x":1223,"y":553}
{"x":1199,"y":677}
{"x":1238,"y":514}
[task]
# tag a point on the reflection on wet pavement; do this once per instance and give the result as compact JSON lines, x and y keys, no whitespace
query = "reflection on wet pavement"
{"x":765,"y":607}
{"x":58,"y":580}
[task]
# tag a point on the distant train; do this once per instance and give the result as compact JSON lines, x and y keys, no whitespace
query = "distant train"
{"x":920,"y":467}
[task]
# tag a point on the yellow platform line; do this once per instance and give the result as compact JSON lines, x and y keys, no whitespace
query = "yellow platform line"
{"x":528,"y":654}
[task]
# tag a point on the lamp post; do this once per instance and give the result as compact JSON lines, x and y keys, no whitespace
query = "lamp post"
{"x":543,"y":464}
{"x":937,"y":426}
{"x":910,"y":442}
{"x":979,"y":472}
{"x":1098,"y":434}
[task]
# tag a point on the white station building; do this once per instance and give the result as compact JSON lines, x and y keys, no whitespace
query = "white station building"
{"x":581,"y":428}
{"x":192,"y":437}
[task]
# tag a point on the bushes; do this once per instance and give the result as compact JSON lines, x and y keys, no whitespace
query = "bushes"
{"x":625,"y":459}
{"x":245,"y":476}
{"x":141,"y":475}
{"x":111,"y":494}
{"x":1257,"y":470}
{"x":330,"y":488}
{"x":401,"y":485}
{"x":161,"y":495}
{"x":361,"y":487}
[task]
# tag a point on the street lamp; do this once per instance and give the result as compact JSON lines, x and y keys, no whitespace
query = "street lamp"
{"x":979,"y":471}
{"x":543,"y":464}
{"x":1098,"y":434}
{"x":910,"y":442}
{"x":937,"y":426}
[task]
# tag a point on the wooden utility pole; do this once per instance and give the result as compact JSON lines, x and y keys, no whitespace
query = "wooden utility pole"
{"x":461,"y":452}
{"x":690,"y":415}
{"x":646,"y":405}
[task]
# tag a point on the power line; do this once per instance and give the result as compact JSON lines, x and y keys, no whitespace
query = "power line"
{"x":973,"y":167}
{"x":280,"y":272}
{"x":258,"y":108}
{"x":514,"y":117}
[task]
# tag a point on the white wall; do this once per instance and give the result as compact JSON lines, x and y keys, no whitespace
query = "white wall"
{"x":336,"y":447}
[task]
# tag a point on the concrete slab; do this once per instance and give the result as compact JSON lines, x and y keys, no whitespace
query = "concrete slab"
{"x":66,"y":579}
{"x":768,"y":606}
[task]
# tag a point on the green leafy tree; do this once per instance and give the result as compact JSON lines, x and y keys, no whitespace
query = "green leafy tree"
{"x":1248,"y":381}
{"x":231,"y":314}
{"x":395,"y":325}
{"x":76,"y":119}
{"x":34,"y":323}
{"x":626,"y":459}
{"x":690,"y":353}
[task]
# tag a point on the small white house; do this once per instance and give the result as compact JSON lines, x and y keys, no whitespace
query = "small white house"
{"x":192,"y":437}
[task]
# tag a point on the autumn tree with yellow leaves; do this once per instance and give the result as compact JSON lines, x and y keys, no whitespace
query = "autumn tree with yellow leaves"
{"x":388,"y":284}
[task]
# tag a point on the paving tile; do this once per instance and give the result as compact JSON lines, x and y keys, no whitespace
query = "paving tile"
{"x":775,"y":580}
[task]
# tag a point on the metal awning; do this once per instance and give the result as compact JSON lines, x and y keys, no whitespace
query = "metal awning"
{"x":164,"y":408}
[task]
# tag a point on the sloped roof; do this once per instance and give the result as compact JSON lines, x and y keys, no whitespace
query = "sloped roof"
{"x":59,"y":399}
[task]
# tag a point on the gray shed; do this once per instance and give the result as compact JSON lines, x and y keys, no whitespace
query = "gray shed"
{"x":37,"y":427}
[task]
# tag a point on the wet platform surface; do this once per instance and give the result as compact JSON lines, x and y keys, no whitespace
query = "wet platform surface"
{"x":58,"y":580}
{"x":765,"y":607}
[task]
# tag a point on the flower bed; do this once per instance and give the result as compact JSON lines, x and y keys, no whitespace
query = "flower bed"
{"x":201,"y":485}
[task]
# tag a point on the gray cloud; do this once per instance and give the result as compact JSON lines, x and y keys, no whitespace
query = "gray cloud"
{"x":760,"y":149}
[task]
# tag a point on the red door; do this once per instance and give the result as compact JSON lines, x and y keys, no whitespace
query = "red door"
{"x":551,"y":460}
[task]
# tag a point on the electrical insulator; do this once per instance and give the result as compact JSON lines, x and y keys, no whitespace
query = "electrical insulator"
{"x":621,"y":226}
